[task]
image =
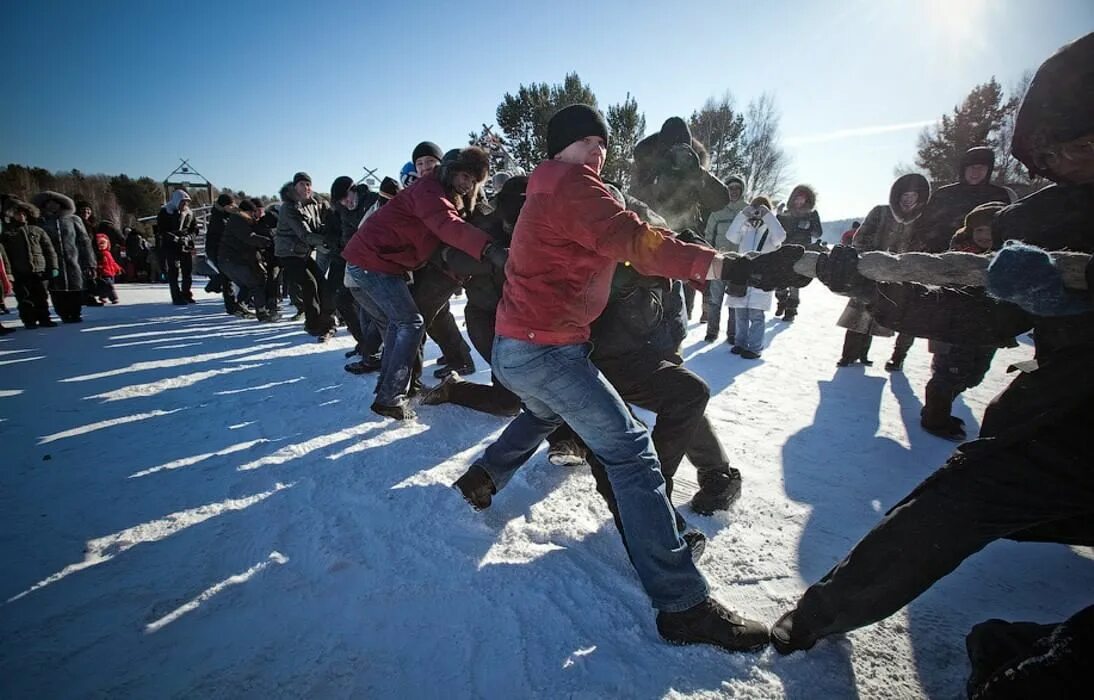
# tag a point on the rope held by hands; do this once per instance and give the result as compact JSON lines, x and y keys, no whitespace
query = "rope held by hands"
{"x":944,"y":269}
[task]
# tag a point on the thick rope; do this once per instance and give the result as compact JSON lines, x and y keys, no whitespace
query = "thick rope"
{"x":944,"y":269}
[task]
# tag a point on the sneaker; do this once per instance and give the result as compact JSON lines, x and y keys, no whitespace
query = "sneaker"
{"x":440,"y":393}
{"x":894,"y":365}
{"x":717,"y":492}
{"x":566,"y":453}
{"x":697,"y":543}
{"x":401,"y":411}
{"x":362,"y":367}
{"x":749,"y":355}
{"x":477,"y":487}
{"x":784,"y":639}
{"x":710,"y":622}
{"x":462,"y":370}
{"x":736,"y":349}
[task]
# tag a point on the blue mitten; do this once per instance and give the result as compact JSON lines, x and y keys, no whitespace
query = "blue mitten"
{"x":1024,"y":275}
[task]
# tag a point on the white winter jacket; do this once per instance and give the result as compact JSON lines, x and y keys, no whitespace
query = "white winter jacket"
{"x":748,"y":239}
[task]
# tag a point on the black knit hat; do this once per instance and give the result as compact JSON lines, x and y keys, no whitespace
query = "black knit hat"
{"x":340,"y":187}
{"x":574,"y":123}
{"x":247,"y":205}
{"x":224,"y":199}
{"x":389,"y":187}
{"x":301,"y":177}
{"x":978,"y":155}
{"x":470,"y":159}
{"x":426,"y":148}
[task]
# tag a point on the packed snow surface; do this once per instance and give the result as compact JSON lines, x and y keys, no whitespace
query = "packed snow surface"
{"x":201,"y":506}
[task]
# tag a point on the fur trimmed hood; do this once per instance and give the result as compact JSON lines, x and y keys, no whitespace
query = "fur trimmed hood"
{"x":471,"y":160}
{"x":68,"y":207}
{"x":911,"y":182}
{"x":977,"y":155}
{"x":287,"y":192}
{"x":15,"y":204}
{"x":810,"y":199}
{"x":673,"y":132}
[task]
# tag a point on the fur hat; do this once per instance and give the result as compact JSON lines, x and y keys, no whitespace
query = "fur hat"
{"x":15,"y":204}
{"x":81,"y":203}
{"x":426,"y":148}
{"x":574,"y":123}
{"x":340,"y":187}
{"x":389,"y":187}
{"x":471,"y":160}
{"x":981,"y":216}
{"x":225,"y":200}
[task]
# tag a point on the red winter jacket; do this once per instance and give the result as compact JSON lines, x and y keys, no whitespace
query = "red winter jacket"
{"x":401,"y":235}
{"x":568,"y":239}
{"x":108,"y":266}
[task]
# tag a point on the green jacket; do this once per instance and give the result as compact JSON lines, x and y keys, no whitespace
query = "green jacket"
{"x":29,"y":250}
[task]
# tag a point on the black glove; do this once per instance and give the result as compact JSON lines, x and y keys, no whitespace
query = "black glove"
{"x":773,"y":270}
{"x":1090,"y":278}
{"x":837,"y":269}
{"x":495,"y":255}
{"x":689,"y":236}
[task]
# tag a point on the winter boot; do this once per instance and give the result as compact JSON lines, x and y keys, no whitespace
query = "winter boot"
{"x":441,"y":393}
{"x":935,"y":416}
{"x":462,"y":370}
{"x":716,"y":492}
{"x":894,"y":365}
{"x":749,"y":354}
{"x":787,"y":639}
{"x":697,"y":543}
{"x":362,"y":367}
{"x":477,"y":487}
{"x":400,"y":411}
{"x":710,"y":622}
{"x":780,"y":308}
{"x":789,"y":315}
{"x":566,"y":453}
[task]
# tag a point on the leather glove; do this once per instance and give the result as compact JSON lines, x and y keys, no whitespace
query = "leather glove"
{"x":495,"y":255}
{"x":837,"y":269}
{"x":769,"y":271}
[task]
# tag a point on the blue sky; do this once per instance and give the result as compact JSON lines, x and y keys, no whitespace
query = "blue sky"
{"x":251,"y":92}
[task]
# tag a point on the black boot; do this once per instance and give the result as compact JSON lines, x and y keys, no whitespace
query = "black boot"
{"x":716,"y":492}
{"x":935,"y":416}
{"x":710,"y":622}
{"x":786,"y":638}
{"x":477,"y":487}
{"x":400,"y":411}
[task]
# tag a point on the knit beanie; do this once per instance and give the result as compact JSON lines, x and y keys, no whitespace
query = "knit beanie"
{"x":301,"y":177}
{"x":224,"y":200}
{"x":426,"y":148}
{"x":574,"y":123}
{"x":340,"y":187}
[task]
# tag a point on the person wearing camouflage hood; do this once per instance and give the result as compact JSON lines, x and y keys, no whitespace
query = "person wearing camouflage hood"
{"x":1028,"y":476}
{"x":74,"y":252}
{"x":803,"y":227}
{"x":30,"y":260}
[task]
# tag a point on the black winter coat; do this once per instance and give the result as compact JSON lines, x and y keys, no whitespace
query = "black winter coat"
{"x":176,"y":230}
{"x":243,"y":238}
{"x":218,"y":217}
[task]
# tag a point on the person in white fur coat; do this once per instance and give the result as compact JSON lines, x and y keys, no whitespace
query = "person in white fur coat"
{"x":755,"y":229}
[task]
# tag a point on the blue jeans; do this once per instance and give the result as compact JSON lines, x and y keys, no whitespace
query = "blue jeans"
{"x":750,"y":329}
{"x":716,"y":291}
{"x":559,"y":383}
{"x":390,"y":298}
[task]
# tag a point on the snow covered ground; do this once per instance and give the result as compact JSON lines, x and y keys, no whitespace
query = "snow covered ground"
{"x":195,"y":505}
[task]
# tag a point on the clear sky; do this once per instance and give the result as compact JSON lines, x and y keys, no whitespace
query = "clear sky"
{"x":251,"y":92}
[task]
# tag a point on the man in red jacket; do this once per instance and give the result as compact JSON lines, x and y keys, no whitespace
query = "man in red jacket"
{"x":566,"y":244}
{"x":400,"y":238}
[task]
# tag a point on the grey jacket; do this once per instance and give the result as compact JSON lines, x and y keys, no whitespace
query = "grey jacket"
{"x":70,"y":241}
{"x":299,"y":225}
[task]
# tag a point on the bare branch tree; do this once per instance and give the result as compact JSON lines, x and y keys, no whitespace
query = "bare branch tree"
{"x":766,"y":164}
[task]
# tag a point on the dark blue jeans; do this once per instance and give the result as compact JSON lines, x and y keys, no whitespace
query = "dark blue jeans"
{"x":390,"y":299}
{"x":559,"y":382}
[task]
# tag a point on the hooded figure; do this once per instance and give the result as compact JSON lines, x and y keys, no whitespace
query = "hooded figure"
{"x":177,"y":226}
{"x":802,"y":224}
{"x":946,"y":210}
{"x":1028,"y":477}
{"x":72,"y":242}
{"x":30,"y":262}
{"x":883,"y":229}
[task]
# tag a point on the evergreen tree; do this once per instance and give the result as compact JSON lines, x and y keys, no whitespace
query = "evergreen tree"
{"x":720,"y":128}
{"x":977,"y":121}
{"x":523,"y":117}
{"x":627,"y":126}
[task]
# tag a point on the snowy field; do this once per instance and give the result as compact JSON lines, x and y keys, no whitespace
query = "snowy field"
{"x":200,"y":506}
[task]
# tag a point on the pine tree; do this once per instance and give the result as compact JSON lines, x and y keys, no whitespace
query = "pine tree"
{"x":627,"y":126}
{"x":978,"y":121}
{"x":523,"y":117}
{"x":719,"y":127}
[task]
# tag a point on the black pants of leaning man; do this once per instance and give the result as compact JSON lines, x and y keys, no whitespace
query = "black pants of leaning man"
{"x":306,"y":281}
{"x":1036,"y":488}
{"x":679,"y":398}
{"x":431,"y":290}
{"x":33,"y":299}
{"x":491,"y":398}
{"x":180,"y":264}
{"x":255,"y":283}
{"x":342,"y":299}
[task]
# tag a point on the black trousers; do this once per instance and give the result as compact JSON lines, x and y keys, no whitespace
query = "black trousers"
{"x":490,"y":398}
{"x":68,"y":304}
{"x":431,"y":290}
{"x":306,"y":281}
{"x":903,"y":344}
{"x":180,"y":263}
{"x":256,"y":284}
{"x":32,"y":296}
{"x":343,"y":300}
{"x":856,"y":346}
{"x":1036,"y":488}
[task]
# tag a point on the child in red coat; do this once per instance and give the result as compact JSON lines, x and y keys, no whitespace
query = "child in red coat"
{"x":108,"y":270}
